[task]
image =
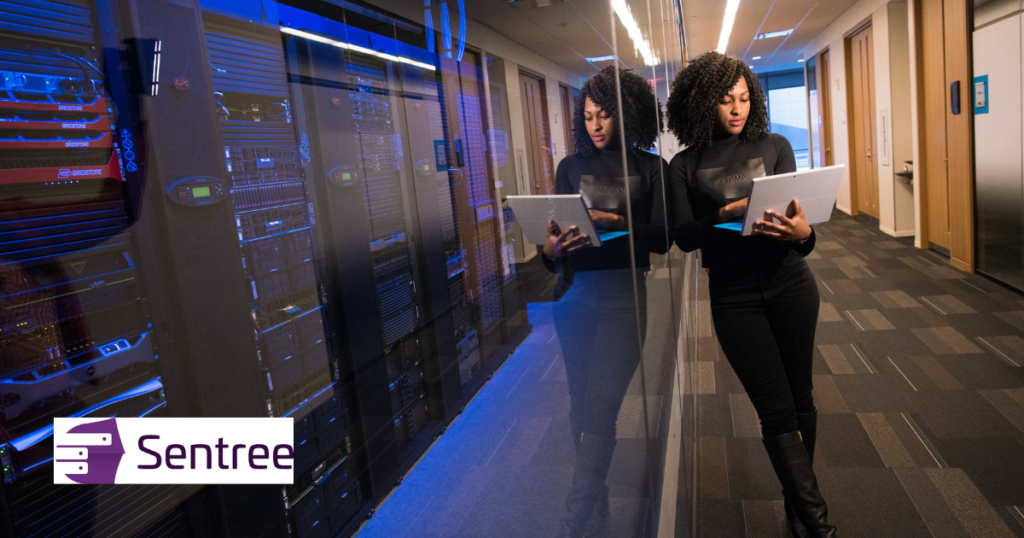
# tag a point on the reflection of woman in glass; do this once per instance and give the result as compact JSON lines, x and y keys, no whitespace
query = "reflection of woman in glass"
{"x":764,"y":299}
{"x":598,"y":325}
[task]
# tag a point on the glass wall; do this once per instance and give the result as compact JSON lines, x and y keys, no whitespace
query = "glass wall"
{"x":308,"y":210}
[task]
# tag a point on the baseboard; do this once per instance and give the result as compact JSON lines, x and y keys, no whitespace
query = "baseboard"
{"x":844,"y":209}
{"x":894,"y":233}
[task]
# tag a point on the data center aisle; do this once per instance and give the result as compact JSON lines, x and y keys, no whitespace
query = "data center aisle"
{"x":920,"y":388}
{"x":504,"y":466}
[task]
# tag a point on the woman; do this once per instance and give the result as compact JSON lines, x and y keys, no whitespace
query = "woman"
{"x":598,"y":324}
{"x":764,"y":298}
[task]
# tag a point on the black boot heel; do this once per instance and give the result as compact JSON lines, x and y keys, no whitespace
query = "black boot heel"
{"x":792,"y":465}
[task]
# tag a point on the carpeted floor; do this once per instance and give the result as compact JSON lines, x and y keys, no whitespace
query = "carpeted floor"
{"x":920,"y":388}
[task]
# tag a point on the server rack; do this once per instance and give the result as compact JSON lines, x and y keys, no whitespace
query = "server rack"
{"x":275,"y":215}
{"x":75,"y":333}
{"x":297,"y":248}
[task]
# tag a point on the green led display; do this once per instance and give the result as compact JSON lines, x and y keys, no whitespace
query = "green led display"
{"x":200,"y":192}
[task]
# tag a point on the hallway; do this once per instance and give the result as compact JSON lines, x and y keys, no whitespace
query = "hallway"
{"x":920,"y":389}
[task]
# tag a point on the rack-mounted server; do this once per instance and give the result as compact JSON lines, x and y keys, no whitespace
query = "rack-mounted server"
{"x":75,"y":336}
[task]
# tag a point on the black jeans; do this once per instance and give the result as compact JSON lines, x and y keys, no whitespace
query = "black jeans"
{"x":596,"y":322}
{"x":765,"y":317}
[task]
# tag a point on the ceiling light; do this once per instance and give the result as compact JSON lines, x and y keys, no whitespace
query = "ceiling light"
{"x":770,"y":35}
{"x":608,"y":58}
{"x":640,"y":44}
{"x":727,"y":21}
{"x":799,"y":61}
{"x":356,"y":48}
{"x":756,"y":58}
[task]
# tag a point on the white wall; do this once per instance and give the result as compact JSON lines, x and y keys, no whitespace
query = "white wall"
{"x":891,"y":37}
{"x":832,"y":39}
{"x":901,"y":115}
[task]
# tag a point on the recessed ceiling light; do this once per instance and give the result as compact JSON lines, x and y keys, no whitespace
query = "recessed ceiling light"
{"x":640,"y":44}
{"x":799,"y":61}
{"x":608,"y":58}
{"x":727,"y":21}
{"x":756,"y":58}
{"x":770,"y":35}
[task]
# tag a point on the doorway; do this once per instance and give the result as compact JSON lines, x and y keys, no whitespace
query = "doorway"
{"x":569,"y":96}
{"x":538,"y":133}
{"x":819,"y":101}
{"x":863,"y":137}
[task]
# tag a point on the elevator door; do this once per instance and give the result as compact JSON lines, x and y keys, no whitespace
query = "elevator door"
{"x":538,"y":134}
{"x":863,"y":143}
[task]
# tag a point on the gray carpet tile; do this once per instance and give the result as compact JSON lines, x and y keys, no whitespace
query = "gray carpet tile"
{"x":919,"y":384}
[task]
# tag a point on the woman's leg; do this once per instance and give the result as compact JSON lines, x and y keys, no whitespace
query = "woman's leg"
{"x":793,"y":314}
{"x":792,"y":310}
{"x":746,"y":336}
{"x":744,"y":311}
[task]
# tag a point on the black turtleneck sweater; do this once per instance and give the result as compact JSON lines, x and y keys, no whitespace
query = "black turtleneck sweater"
{"x":702,"y":182}
{"x":578,"y":174}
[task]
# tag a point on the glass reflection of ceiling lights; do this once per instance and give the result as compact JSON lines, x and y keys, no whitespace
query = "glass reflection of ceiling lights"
{"x":640,"y":44}
{"x":727,"y":21}
{"x":356,"y":48}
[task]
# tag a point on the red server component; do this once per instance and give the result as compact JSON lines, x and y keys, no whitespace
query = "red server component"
{"x":55,"y":129}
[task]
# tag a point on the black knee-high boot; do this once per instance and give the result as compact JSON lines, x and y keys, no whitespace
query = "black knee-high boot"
{"x":588,"y":497}
{"x":792,"y":465}
{"x":808,"y":424}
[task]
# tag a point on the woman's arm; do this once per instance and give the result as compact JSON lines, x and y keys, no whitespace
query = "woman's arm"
{"x":561,"y":242}
{"x":789,"y":229}
{"x":686,"y":230}
{"x":650,"y":232}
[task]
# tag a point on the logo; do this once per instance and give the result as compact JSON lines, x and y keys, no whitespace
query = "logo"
{"x":72,"y":126}
{"x":157,"y":450}
{"x":70,"y":107}
{"x":89,"y":453}
{"x":731,"y":179}
{"x":64,"y":173}
{"x":76,"y":144}
{"x":609,"y":190}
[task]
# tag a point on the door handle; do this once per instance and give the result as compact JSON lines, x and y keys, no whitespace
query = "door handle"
{"x":828,"y":150}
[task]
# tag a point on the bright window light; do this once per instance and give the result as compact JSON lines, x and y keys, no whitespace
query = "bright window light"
{"x":356,"y":48}
{"x":727,"y":21}
{"x":640,"y":43}
{"x":770,"y":35}
{"x":608,"y":58}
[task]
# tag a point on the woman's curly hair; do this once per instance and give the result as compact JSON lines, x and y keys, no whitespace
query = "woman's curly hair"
{"x":696,"y":92}
{"x":641,"y":112}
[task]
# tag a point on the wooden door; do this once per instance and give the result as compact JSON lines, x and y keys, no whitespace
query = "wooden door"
{"x":538,"y":138}
{"x":935,"y":170}
{"x":568,"y":108}
{"x":813,"y":117}
{"x":863,"y":142}
{"x":825,"y":107}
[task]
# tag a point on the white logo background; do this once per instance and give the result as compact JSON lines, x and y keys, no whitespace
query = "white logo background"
{"x":270,"y":432}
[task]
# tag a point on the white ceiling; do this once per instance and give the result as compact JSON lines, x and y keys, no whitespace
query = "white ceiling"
{"x":807,"y":18}
{"x":566,"y":32}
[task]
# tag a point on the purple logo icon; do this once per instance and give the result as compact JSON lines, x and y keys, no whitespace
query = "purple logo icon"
{"x":90,"y":453}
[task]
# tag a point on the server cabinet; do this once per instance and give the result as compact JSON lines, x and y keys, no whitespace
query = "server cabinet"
{"x":373,"y":254}
{"x":76,"y":338}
